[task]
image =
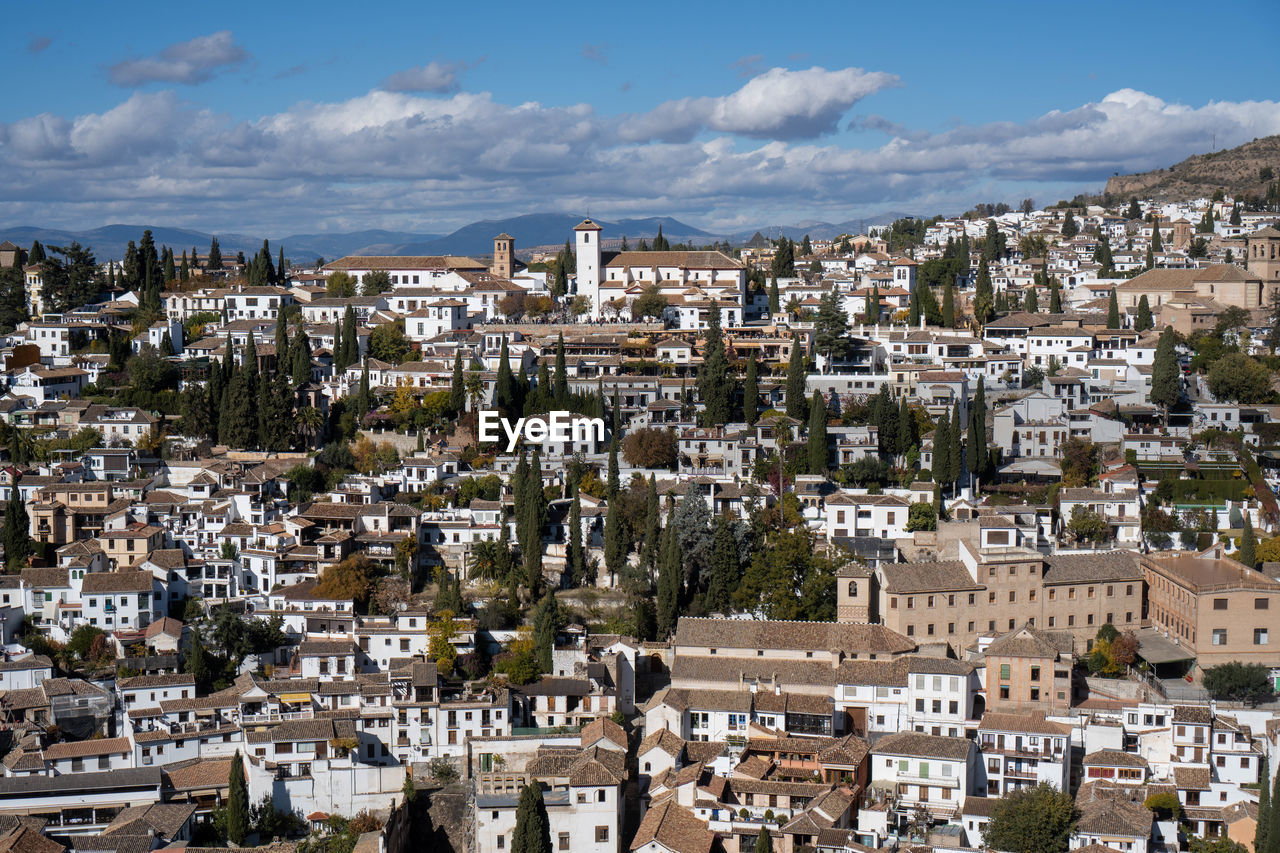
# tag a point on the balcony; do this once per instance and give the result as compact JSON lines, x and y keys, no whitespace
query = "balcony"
{"x":932,"y":781}
{"x":276,"y":717}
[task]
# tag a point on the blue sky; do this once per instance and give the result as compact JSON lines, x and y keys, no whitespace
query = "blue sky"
{"x":289,"y":117}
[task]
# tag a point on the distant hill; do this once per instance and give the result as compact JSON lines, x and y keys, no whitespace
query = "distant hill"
{"x":546,"y":230}
{"x":1234,"y":171}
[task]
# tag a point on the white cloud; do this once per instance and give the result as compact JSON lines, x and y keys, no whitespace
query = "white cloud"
{"x":433,"y":77}
{"x":755,"y":156}
{"x":188,"y":62}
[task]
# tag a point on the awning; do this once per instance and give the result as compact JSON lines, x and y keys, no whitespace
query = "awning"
{"x":294,"y":698}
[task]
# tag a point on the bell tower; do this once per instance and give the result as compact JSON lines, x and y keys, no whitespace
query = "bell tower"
{"x":587,"y":240}
{"x":504,"y":256}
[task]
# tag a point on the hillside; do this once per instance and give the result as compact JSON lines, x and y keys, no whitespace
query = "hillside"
{"x":1234,"y":170}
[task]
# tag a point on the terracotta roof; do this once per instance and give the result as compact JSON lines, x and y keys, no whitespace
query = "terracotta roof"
{"x":675,"y":828}
{"x":762,"y":634}
{"x":923,"y":746}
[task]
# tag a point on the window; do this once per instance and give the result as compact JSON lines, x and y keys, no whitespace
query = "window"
{"x":1260,"y":604}
{"x":1219,"y":604}
{"x":1004,"y":672}
{"x":1219,"y":636}
{"x":1260,"y":636}
{"x":564,"y":841}
{"x":602,"y":834}
{"x":502,"y":842}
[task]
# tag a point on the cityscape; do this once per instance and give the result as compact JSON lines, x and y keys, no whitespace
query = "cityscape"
{"x":517,"y":434}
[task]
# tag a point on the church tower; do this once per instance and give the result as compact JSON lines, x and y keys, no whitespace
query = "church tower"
{"x":504,"y":256}
{"x":587,"y":240}
{"x":1262,"y":249}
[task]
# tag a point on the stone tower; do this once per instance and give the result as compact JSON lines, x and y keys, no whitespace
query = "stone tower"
{"x":1262,"y":254}
{"x":504,"y":256}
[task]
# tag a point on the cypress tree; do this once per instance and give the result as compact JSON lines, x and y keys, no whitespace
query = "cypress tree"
{"x":764,"y":841}
{"x":613,"y":485}
{"x":955,"y":456}
{"x":775,"y":300}
{"x":237,"y":803}
{"x":949,"y":305}
{"x":976,"y":448}
{"x":1248,"y":544}
{"x":300,"y":369}
{"x":170,"y":272}
{"x":17,"y":529}
{"x":1166,"y":381}
{"x":575,"y":561}
{"x":942,"y":448}
{"x":1144,"y":320}
{"x":723,"y":571}
{"x":714,"y":382}
{"x":533,"y":830}
{"x":751,"y":394}
{"x":616,"y":414}
{"x":1030,"y":303}
{"x":1157,"y":244}
{"x":1055,"y":297}
{"x":504,"y":394}
{"x":215,"y":255}
{"x":350,"y":344}
{"x":983,"y":302}
{"x":907,"y":437}
{"x":1113,"y":311}
{"x":457,"y":388}
{"x":669,"y":573}
{"x":1261,"y":833}
{"x":816,"y":444}
{"x":797,"y":369}
{"x":281,"y":273}
{"x":560,"y":390}
{"x":184,"y":272}
{"x":615,"y":548}
{"x":913,"y":309}
{"x":535,"y":515}
{"x":1273,"y":815}
{"x":652,"y":526}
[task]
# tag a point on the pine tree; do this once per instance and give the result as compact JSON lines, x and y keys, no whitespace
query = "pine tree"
{"x":1070,"y":227}
{"x":17,"y":529}
{"x":1144,"y":320}
{"x":1113,"y":311}
{"x":457,"y":387}
{"x":797,"y":370}
{"x":751,"y":393}
{"x":816,"y":443}
{"x":533,"y":829}
{"x":1134,"y":212}
{"x":215,"y":255}
{"x":237,"y":803}
{"x":949,"y":305}
{"x":37,"y":254}
{"x":1248,"y":544}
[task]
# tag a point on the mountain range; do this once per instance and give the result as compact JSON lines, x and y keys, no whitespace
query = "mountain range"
{"x":531,"y":231}
{"x":1243,"y":171}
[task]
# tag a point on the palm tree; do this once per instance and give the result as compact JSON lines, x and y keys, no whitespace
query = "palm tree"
{"x":309,"y":424}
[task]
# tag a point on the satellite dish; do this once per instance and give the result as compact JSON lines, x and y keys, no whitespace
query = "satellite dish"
{"x":402,"y":606}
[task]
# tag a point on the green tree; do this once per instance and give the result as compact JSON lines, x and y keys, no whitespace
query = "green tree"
{"x":560,"y":388}
{"x":775,"y":300}
{"x":715,"y":385}
{"x":388,"y":343}
{"x":70,"y":278}
{"x":796,"y":372}
{"x":1055,"y":297}
{"x":669,"y":579}
{"x":17,"y":529}
{"x":1030,"y":303}
{"x":723,"y":573}
{"x":1248,"y":544}
{"x":942,"y":449}
{"x":816,"y":442}
{"x":652,"y":527}
{"x":955,"y":456}
{"x":1166,"y":375}
{"x":1032,"y":820}
{"x":784,"y":259}
{"x":1239,"y":378}
{"x":650,"y":303}
{"x":340,"y":285}
{"x":504,"y":392}
{"x":1143,"y":321}
{"x":831,"y":326}
{"x":949,"y":305}
{"x":214,"y":261}
{"x":764,"y":841}
{"x":751,"y":393}
{"x":237,"y":803}
{"x":1134,"y":212}
{"x":375,"y":282}
{"x":922,"y":516}
{"x":1113,"y":311}
{"x":533,"y":829}
{"x":983,"y":301}
{"x":457,"y":387}
{"x":1070,"y":227}
{"x":1261,"y":833}
{"x":547,"y":622}
{"x":1239,"y":682}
